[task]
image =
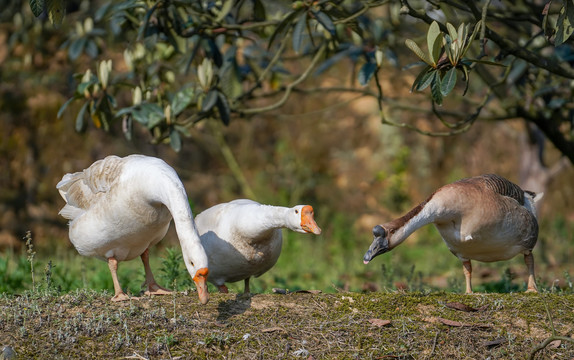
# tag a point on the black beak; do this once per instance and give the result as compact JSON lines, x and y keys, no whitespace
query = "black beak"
{"x":380,"y":244}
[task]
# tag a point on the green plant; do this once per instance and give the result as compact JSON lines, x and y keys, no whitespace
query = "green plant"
{"x":167,"y":340}
{"x":48,"y":274}
{"x":31,"y":255}
{"x":172,"y":271}
{"x":446,"y":55}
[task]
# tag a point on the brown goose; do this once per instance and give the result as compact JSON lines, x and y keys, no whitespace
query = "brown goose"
{"x":485,"y":218}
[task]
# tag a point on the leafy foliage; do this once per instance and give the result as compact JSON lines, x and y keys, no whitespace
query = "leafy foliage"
{"x":446,"y":55}
{"x":235,"y":59}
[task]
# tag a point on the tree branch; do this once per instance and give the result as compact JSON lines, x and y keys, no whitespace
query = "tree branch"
{"x":505,"y":45}
{"x":232,"y":162}
{"x":289,"y":88}
{"x":551,"y":128}
{"x":546,"y":342}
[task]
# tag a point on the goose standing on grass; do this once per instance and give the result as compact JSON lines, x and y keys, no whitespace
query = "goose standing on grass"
{"x":485,"y":218}
{"x":120,"y":207}
{"x":243,"y":238}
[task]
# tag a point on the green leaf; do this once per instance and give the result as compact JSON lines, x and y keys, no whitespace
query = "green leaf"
{"x":182,"y":130}
{"x":83,"y":86}
{"x":424,"y":79}
{"x":80,"y":118}
{"x":225,"y":9}
{"x":125,"y":111}
{"x":435,"y":88}
{"x":37,"y":7}
{"x":448,"y":82}
{"x":127,"y":126}
{"x":417,"y":50}
{"x":462,"y":33}
{"x":486,"y":62}
{"x":63,"y":107}
{"x":325,"y":20}
{"x":283,"y":26}
{"x":175,"y":140}
{"x":181,"y":100}
{"x":102,"y":11}
{"x":471,"y":38}
{"x":230,"y":81}
{"x":76,"y":48}
{"x":104,"y":112}
{"x":209,"y":101}
{"x":147,"y":114}
{"x":56,"y":11}
{"x":565,"y":23}
{"x":366,"y":73}
{"x":477,"y":27}
{"x":223,"y":108}
{"x":143,"y":30}
{"x":298,"y":32}
{"x":448,"y":50}
{"x":258,"y":10}
{"x":466,"y":78}
{"x":91,"y":48}
{"x":156,"y":115}
{"x":434,"y":42}
{"x":452,"y":31}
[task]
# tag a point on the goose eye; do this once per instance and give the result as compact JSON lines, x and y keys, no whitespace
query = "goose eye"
{"x":296,"y":211}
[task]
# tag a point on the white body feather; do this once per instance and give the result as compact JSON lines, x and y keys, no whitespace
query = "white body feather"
{"x":243,"y":238}
{"x":119,"y":207}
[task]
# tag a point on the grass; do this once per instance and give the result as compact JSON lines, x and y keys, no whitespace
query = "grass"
{"x":65,"y":312}
{"x":55,"y":303}
{"x":329,"y":262}
{"x":85,"y":324}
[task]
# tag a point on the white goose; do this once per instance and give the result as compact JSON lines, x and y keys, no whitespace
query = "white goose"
{"x":485,"y":218}
{"x":243,"y":238}
{"x":119,"y":207}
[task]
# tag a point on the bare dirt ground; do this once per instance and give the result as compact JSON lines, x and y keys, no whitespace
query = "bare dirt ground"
{"x":86,"y":325}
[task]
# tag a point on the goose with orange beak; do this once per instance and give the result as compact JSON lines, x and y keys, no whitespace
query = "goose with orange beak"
{"x":243,"y":238}
{"x":118,"y":208}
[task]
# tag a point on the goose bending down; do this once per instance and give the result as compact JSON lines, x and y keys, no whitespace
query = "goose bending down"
{"x":120,"y":207}
{"x":243,"y":238}
{"x":485,"y":218}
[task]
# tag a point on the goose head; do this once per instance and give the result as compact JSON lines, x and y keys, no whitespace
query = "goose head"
{"x":380,"y":244}
{"x":301,"y":220}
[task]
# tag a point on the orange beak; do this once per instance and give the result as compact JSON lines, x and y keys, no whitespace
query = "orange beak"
{"x":308,"y":222}
{"x":200,"y":280}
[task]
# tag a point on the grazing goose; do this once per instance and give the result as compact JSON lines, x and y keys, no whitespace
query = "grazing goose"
{"x":243,"y":238}
{"x":120,"y":207}
{"x":485,"y":218}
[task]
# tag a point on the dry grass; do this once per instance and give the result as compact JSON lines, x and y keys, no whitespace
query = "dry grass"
{"x":85,"y":324}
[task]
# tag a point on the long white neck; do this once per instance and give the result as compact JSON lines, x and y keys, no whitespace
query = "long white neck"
{"x":264,"y":220}
{"x":400,"y":229}
{"x":172,"y":195}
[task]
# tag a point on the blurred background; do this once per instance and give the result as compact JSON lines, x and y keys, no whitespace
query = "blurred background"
{"x":329,"y":150}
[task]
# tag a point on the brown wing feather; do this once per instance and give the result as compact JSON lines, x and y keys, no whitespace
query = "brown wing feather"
{"x":102,"y":174}
{"x":81,"y":189}
{"x":499,"y":185}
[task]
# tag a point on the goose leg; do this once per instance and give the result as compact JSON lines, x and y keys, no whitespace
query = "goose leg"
{"x":246,"y":288}
{"x":529,"y":261}
{"x":223,"y":289}
{"x":467,"y":268}
{"x":153,"y":287}
{"x":119,"y":293}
